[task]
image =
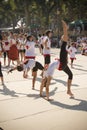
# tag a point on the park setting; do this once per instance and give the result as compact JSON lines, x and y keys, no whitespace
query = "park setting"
{"x":43,"y":64}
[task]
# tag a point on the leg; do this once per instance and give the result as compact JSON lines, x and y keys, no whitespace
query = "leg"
{"x":72,"y":63}
{"x":34,"y":74}
{"x":1,"y":75}
{"x":42,"y":86}
{"x":47,"y":88}
{"x":70,"y":77}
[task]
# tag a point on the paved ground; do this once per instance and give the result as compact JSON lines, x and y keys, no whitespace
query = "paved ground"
{"x":21,"y":108}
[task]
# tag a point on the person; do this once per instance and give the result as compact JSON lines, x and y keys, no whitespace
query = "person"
{"x":1,"y":74}
{"x":6,"y":48}
{"x":22,"y":43}
{"x":13,"y":51}
{"x":30,"y":48}
{"x":29,"y":64}
{"x":47,"y":77}
{"x":72,"y":50}
{"x":46,"y":47}
{"x":40,"y":40}
{"x":64,"y":58}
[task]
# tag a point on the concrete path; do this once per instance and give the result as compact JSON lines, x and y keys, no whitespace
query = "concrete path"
{"x":21,"y":108}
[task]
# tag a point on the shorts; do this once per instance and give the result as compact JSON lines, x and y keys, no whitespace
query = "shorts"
{"x":22,"y":51}
{"x":37,"y":66}
{"x":47,"y":59}
{"x":5,"y":54}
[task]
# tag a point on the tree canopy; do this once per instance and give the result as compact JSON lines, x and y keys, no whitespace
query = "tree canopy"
{"x":41,"y":13}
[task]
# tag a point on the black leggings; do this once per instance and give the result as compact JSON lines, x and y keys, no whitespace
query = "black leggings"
{"x":68,"y":72}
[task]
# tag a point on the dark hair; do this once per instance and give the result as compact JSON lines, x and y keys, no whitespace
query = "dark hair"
{"x":28,"y":37}
{"x":20,"y":68}
{"x":48,"y":31}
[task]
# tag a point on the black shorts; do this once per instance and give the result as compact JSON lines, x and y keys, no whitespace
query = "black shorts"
{"x":5,"y":54}
{"x":22,"y":51}
{"x":37,"y":66}
{"x":47,"y":59}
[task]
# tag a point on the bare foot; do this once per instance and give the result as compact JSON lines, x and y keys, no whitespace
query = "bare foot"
{"x":48,"y":99}
{"x":70,"y":93}
{"x":25,"y":76}
{"x":33,"y":88}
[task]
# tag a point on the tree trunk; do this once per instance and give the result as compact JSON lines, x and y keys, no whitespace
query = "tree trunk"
{"x":26,"y":8}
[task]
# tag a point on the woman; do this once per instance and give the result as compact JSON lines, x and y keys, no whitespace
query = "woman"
{"x":64,"y":57}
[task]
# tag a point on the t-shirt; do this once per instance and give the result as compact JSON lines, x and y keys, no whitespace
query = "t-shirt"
{"x":46,"y":51}
{"x":72,"y":51}
{"x":30,"y":64}
{"x":30,"y":49}
{"x":51,"y":68}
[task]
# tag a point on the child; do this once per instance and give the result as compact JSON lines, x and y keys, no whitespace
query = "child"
{"x":72,"y":50}
{"x":29,"y":64}
{"x":47,"y":76}
{"x":1,"y":74}
{"x":63,"y":59}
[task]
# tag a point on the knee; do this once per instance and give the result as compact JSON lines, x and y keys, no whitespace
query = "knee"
{"x":71,"y":76}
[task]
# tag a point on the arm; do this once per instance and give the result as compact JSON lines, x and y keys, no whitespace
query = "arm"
{"x":12,"y":70}
{"x":65,"y":31}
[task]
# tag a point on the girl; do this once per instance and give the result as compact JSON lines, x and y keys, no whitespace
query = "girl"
{"x":30,"y":48}
{"x":47,"y":76}
{"x":64,"y":57}
{"x":46,"y":47}
{"x":72,"y":50}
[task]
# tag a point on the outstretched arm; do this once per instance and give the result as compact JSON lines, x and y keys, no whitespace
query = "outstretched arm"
{"x":65,"y":31}
{"x":12,"y":70}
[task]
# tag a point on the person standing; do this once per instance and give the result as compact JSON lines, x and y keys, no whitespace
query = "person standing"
{"x":30,"y":48}
{"x":47,"y":47}
{"x":72,"y":50}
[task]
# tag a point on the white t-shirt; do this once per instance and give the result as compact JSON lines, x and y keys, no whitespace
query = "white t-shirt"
{"x":30,"y":64}
{"x":72,"y":51}
{"x":30,"y":49}
{"x":46,"y":51}
{"x":50,"y":71}
{"x":6,"y":45}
